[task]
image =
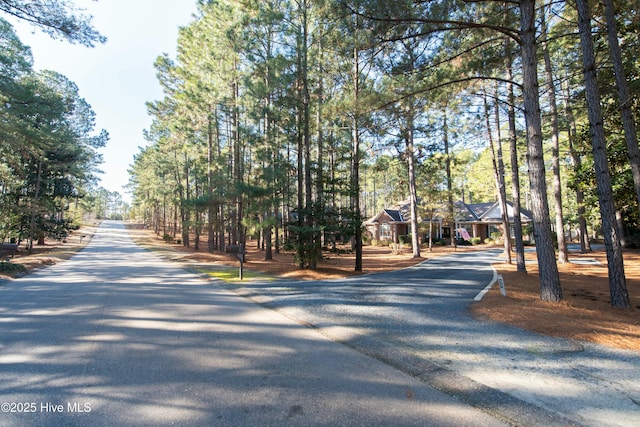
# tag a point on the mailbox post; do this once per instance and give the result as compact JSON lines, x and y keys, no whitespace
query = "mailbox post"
{"x":238,"y":250}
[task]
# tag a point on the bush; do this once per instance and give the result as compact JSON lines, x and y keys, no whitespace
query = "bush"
{"x":375,"y":242}
{"x":438,"y":242}
{"x":12,"y":269}
{"x":632,"y":241}
{"x":397,"y":248}
{"x":288,"y":246}
{"x":476,"y":240}
{"x":168,"y":238}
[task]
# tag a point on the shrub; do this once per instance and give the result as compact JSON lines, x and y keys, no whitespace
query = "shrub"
{"x":632,"y":241}
{"x":288,"y":246}
{"x":476,"y":240}
{"x":397,"y":248}
{"x":168,"y":238}
{"x":438,"y":242}
{"x":12,"y":269}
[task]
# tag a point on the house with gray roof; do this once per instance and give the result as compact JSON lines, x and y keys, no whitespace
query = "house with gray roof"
{"x":470,"y":220}
{"x":483,"y":219}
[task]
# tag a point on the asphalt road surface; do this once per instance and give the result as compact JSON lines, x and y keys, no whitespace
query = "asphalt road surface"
{"x":417,"y":319}
{"x":119,"y":337}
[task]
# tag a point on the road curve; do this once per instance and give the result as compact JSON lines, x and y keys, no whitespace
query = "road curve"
{"x":117,"y":336}
{"x":417,"y":320}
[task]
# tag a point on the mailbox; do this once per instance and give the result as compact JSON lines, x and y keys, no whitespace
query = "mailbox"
{"x":233,"y":249}
{"x":238,"y":250}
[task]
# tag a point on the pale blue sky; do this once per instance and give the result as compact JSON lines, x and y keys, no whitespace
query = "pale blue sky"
{"x":116,"y":78}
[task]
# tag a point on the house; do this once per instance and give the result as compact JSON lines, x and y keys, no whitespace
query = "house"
{"x":470,"y":220}
{"x":481,"y":220}
{"x":389,"y":224}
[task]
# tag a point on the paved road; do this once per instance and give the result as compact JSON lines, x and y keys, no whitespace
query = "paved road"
{"x":119,"y":337}
{"x":417,"y":319}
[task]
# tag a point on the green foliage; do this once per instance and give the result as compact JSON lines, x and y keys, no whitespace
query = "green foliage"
{"x":12,"y":269}
{"x":439,"y":242}
{"x":59,"y":19}
{"x":277,"y":109}
{"x":49,"y":150}
{"x":58,"y":229}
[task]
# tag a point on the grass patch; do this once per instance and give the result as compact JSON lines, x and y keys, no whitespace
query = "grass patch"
{"x":233,"y":275}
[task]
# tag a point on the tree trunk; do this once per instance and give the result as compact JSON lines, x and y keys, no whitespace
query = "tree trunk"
{"x":185,"y":205}
{"x":555,"y":146}
{"x":502,"y":190}
{"x":413,"y":199}
{"x":312,"y":244}
{"x":319,"y":181}
{"x":196,"y":223}
{"x":628,"y":124}
{"x":355,"y":160}
{"x":550,"y":289}
{"x":238,"y":229}
{"x":585,"y":245}
{"x":210,"y":204}
{"x":36,"y":202}
{"x":447,"y":165}
{"x":617,"y":280}
{"x":515,"y":170}
{"x":498,"y":175}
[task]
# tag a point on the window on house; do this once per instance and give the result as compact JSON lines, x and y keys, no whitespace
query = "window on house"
{"x":385,"y":231}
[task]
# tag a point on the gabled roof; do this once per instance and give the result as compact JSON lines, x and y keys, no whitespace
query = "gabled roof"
{"x":398,"y":213}
{"x":470,"y":212}
{"x":489,"y":212}
{"x":486,"y":212}
{"x":394,"y":214}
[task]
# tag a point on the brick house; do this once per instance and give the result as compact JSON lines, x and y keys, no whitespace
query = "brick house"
{"x":471,"y":220}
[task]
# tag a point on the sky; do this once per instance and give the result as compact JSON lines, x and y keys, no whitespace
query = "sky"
{"x":116,"y":78}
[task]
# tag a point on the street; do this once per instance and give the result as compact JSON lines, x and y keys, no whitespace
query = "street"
{"x":117,"y":336}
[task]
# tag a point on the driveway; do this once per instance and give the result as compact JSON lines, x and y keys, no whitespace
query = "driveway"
{"x":119,"y":337}
{"x":417,"y":320}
